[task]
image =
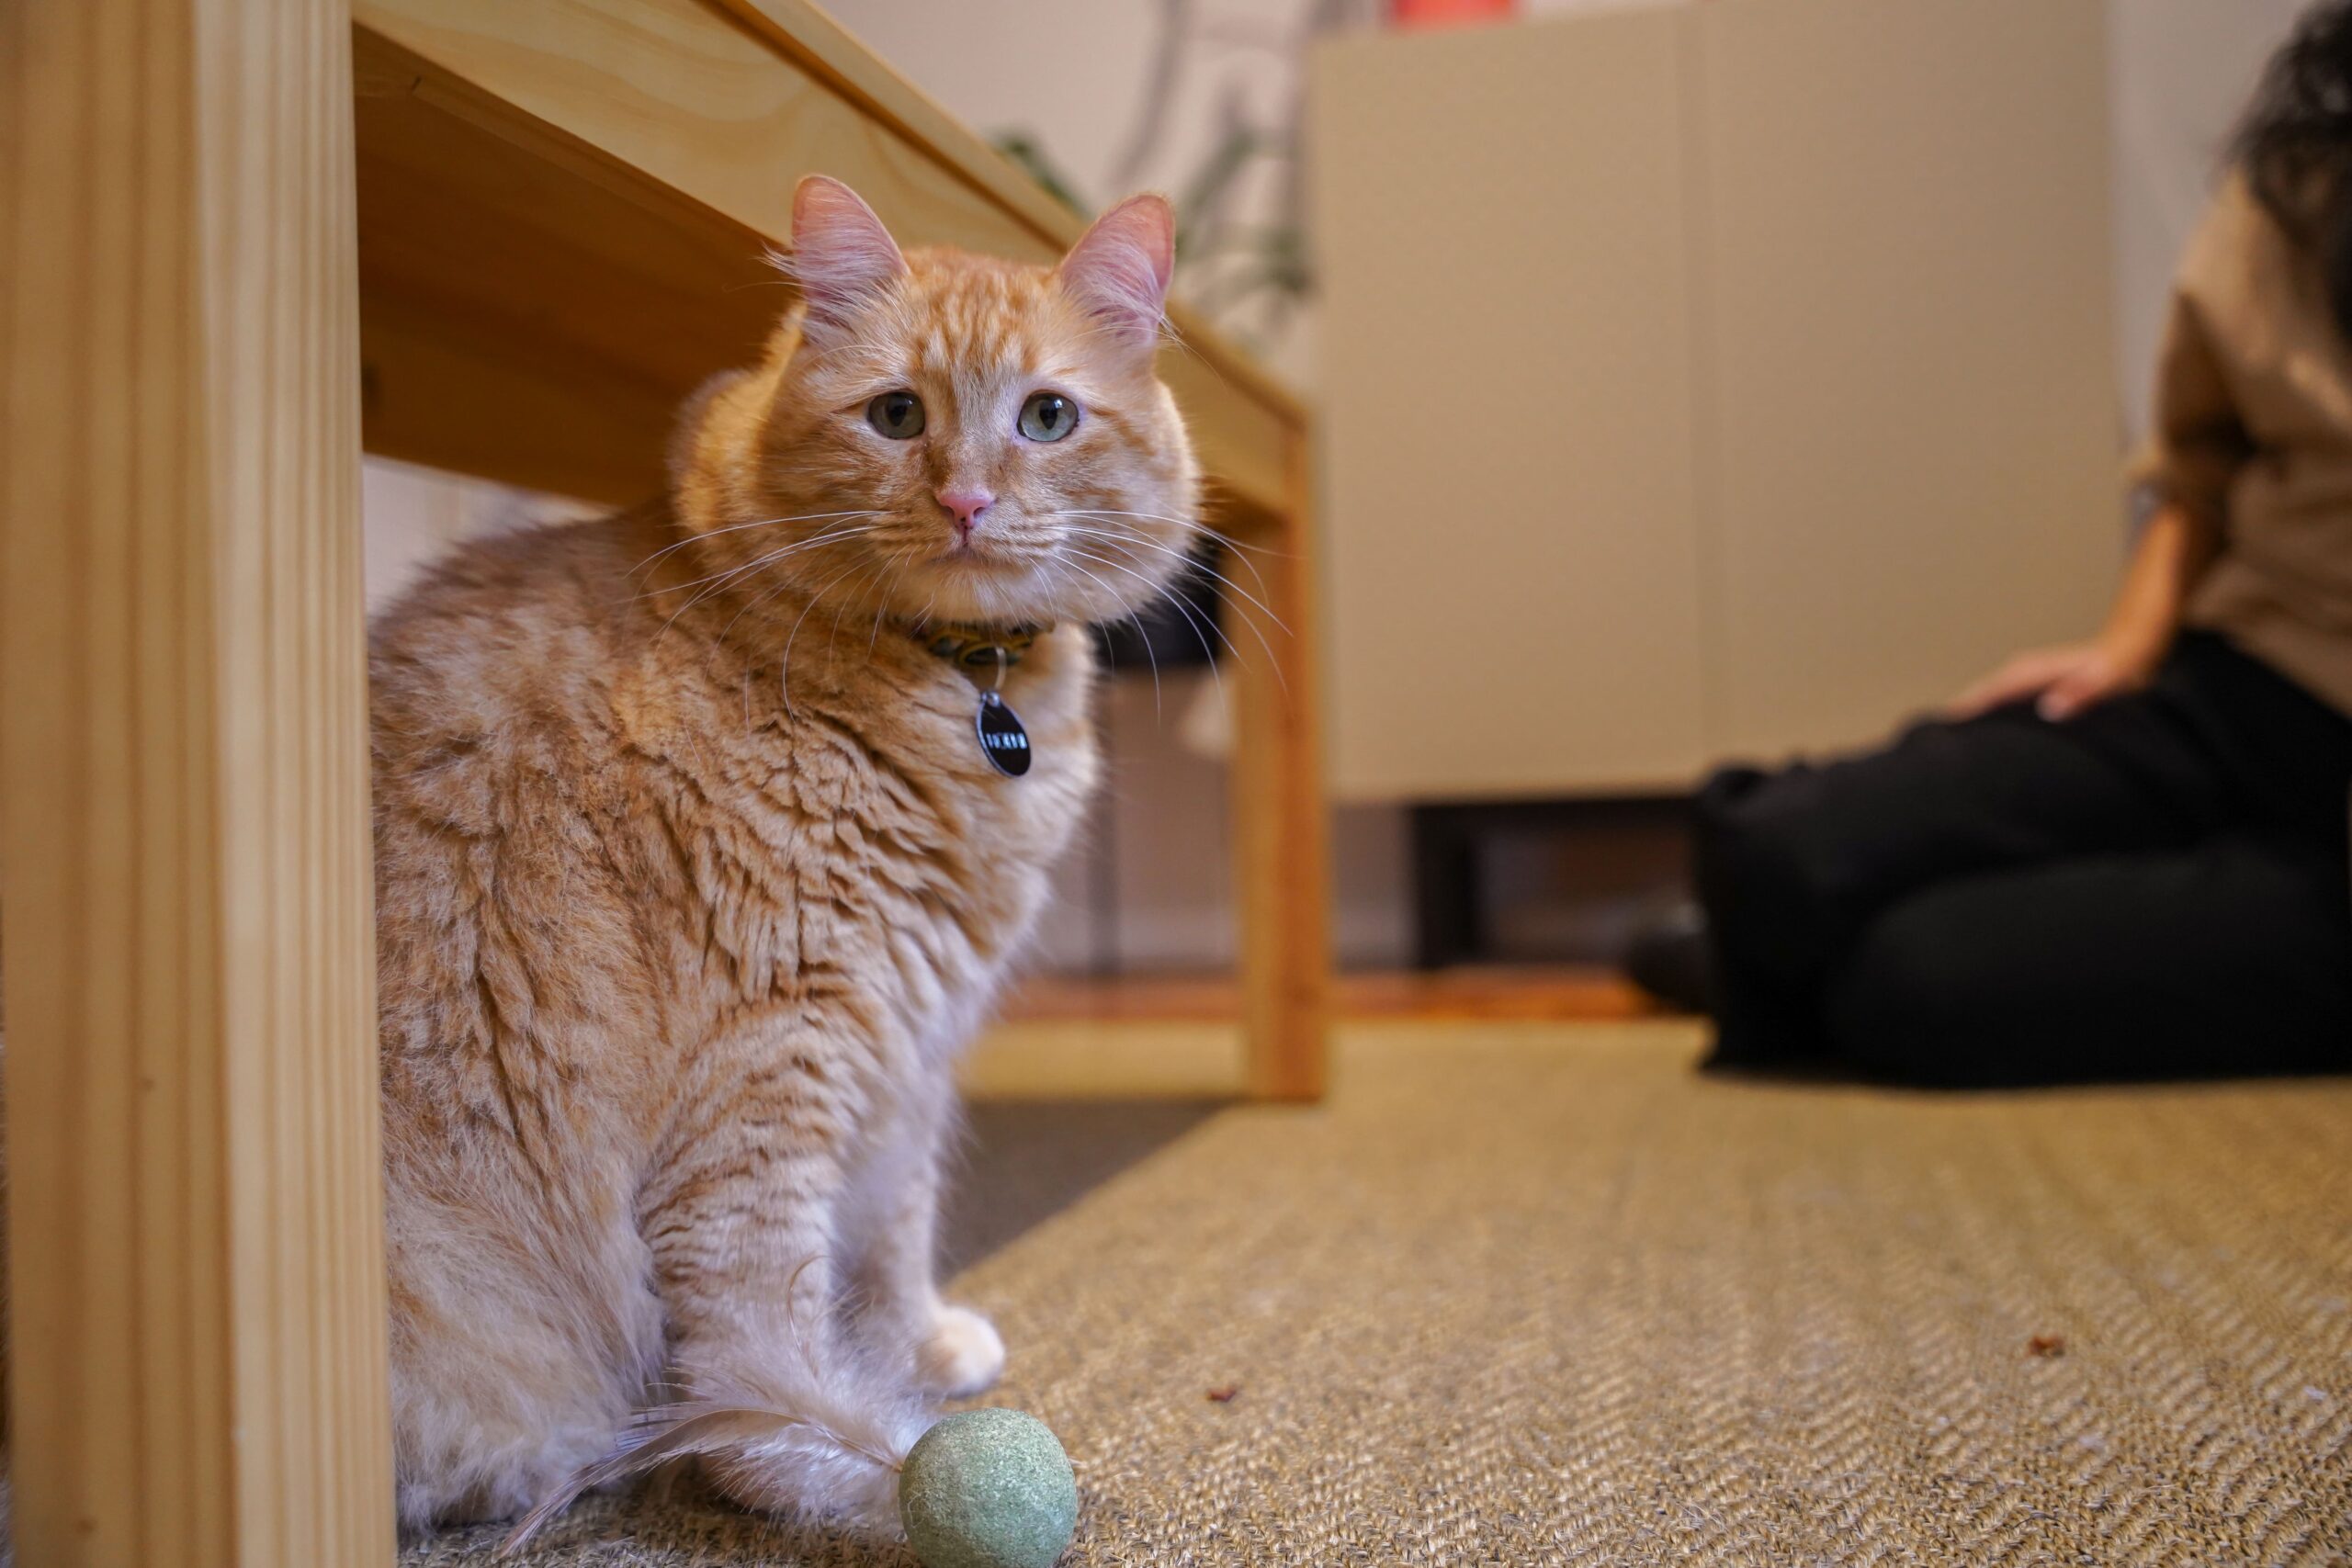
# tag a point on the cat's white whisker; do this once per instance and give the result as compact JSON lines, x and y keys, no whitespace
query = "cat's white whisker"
{"x":1152,"y":655}
{"x":784,"y":660}
{"x":882,"y":600}
{"x":1207,"y":651}
{"x":1143,"y":634}
{"x":749,"y":606}
{"x":738,"y":528}
{"x":829,"y":536}
{"x":1127,"y":540}
{"x":1274,"y":661}
{"x":718,"y":582}
{"x":1241,"y":552}
{"x":876,"y":570}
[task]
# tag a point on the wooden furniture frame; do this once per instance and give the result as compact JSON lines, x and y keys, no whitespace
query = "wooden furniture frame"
{"x":244,"y":238}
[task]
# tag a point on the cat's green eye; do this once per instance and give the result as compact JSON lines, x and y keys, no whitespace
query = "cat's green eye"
{"x":1047,"y":416}
{"x":898,"y":415}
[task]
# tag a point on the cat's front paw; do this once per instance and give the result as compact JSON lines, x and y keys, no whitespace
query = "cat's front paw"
{"x":962,"y":1354}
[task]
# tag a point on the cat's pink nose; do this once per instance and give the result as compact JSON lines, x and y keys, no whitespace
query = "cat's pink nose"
{"x":965,"y":506}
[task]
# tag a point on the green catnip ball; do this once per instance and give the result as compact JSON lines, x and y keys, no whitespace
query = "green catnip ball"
{"x":987,"y":1489}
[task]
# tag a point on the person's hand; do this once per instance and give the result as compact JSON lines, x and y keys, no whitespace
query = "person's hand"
{"x":2060,"y":682}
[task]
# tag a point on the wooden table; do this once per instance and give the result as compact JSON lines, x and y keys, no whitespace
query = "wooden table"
{"x":531,"y":238}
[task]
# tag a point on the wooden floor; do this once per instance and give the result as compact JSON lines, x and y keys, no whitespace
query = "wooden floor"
{"x":1484,"y":992}
{"x":1178,"y":1037}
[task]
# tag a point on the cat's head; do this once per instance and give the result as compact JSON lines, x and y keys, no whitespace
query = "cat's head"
{"x":940,"y":436}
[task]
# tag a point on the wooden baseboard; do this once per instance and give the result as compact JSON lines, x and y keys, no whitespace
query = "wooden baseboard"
{"x":1181,"y":1036}
{"x":1498,"y":991}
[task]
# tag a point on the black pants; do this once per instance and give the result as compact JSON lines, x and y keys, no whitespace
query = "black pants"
{"x":2156,"y":888}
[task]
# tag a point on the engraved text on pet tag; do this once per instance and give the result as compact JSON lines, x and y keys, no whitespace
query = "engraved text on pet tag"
{"x":1003,"y":739}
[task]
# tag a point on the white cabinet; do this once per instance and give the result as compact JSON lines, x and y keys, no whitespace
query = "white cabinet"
{"x":1727,"y":377}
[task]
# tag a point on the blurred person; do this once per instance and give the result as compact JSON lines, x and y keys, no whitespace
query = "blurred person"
{"x":2125,"y":857}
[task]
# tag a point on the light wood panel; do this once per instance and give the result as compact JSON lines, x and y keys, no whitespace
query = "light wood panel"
{"x":1507,"y":365}
{"x":503,"y":404}
{"x":1494,"y":993}
{"x":509,"y":280}
{"x":1909,"y":303}
{"x":704,"y":116}
{"x":1095,"y":1059}
{"x":1281,"y":823}
{"x":197,"y":1323}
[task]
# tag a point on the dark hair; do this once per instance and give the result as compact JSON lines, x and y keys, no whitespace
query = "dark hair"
{"x":2295,"y":145}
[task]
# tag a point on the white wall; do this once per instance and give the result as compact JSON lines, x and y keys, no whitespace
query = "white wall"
{"x":411,"y":516}
{"x":2182,"y":71}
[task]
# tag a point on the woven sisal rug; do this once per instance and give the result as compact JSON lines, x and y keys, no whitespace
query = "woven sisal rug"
{"x":1529,"y":1294}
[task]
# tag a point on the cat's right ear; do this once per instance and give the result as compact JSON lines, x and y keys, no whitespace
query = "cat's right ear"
{"x":841,"y":255}
{"x":1120,"y":267}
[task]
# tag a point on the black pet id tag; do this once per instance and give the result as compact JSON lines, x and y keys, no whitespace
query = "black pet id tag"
{"x":1003,"y":740}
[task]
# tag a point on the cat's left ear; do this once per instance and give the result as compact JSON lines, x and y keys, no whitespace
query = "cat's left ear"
{"x":840,"y":254}
{"x":1120,"y":269}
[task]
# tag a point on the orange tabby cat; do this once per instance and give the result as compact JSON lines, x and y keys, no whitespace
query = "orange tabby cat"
{"x":693,"y":875}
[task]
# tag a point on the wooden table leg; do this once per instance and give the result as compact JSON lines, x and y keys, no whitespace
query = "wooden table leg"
{"x":197,"y":1329}
{"x":1281,"y":835}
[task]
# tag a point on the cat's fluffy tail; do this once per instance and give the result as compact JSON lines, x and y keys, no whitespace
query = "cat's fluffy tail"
{"x":830,"y":1458}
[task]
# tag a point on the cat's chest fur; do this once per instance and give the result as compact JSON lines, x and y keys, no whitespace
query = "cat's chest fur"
{"x":855,"y":840}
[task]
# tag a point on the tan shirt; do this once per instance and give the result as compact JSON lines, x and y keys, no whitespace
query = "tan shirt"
{"x":2253,"y":427}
